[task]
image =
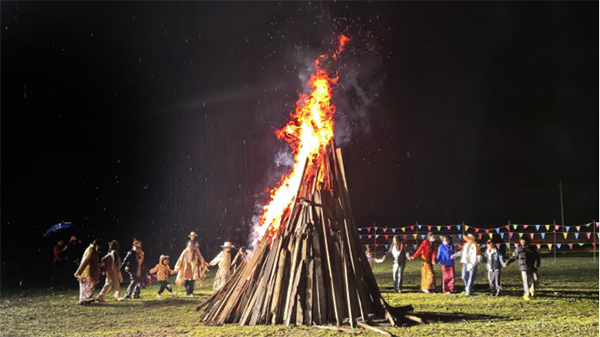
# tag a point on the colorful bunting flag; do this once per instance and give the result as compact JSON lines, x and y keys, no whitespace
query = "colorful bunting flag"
{"x":386,"y":246}
{"x":525,"y":226}
{"x":487,"y":230}
{"x":510,"y":235}
{"x":531,"y":235}
{"x":429,"y":228}
{"x":385,"y":229}
{"x":394,"y":230}
{"x":377,"y":236}
{"x":597,"y":224}
{"x":576,"y":235}
{"x":547,"y":227}
{"x":537,"y":228}
{"x":423,"y":236}
{"x":459,"y":236}
{"x":507,"y":245}
{"x":369,"y":229}
{"x":476,"y":230}
{"x":587,"y":224}
{"x":567,"y":228}
{"x":491,"y":234}
{"x":520,"y":234}
{"x":565,"y":235}
{"x":376,"y":245}
{"x":386,"y":237}
{"x":404,"y":236}
{"x":370,"y":236}
{"x":439,"y":228}
{"x":558,"y":245}
{"x":556,"y":227}
{"x":570,"y":246}
{"x":466,"y":227}
{"x":415,"y":247}
{"x":581,"y":244}
{"x":507,"y":227}
{"x":498,"y":230}
{"x":412,"y":228}
{"x":549,"y":246}
{"x":360,"y":229}
{"x":543,"y":235}
{"x":589,"y":235}
{"x":594,"y":244}
{"x":458,"y":227}
{"x":415,"y":236}
{"x":479,"y":236}
{"x":403,"y":229}
{"x":449,"y":227}
{"x":502,"y":235}
{"x":539,"y":246}
{"x":419,"y":226}
{"x":497,"y":246}
{"x":578,"y":228}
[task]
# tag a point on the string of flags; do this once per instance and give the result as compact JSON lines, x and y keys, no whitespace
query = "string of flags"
{"x":498,"y":230}
{"x":539,"y":245}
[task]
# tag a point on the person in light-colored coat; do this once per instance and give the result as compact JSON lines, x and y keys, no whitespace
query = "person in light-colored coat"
{"x":88,"y":273}
{"x":111,"y":266}
{"x":470,"y":257}
{"x":223,"y":260}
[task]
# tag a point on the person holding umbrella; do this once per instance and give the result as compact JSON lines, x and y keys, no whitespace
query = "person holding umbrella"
{"x":88,"y":273}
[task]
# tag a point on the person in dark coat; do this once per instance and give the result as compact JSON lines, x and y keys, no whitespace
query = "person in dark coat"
{"x":529,"y":262}
{"x":59,"y":265}
{"x":133,"y":264}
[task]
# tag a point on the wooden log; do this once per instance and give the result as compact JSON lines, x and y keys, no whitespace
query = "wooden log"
{"x":320,"y":306}
{"x":374,"y":329}
{"x":337,"y":329}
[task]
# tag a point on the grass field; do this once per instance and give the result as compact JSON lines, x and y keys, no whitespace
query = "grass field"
{"x":565,"y":305}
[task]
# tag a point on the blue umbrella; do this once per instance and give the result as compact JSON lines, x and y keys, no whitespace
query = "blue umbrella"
{"x":57,"y":227}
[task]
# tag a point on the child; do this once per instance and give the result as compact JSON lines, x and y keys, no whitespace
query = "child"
{"x":163,"y":271}
{"x":494,"y":262}
{"x":444,"y":257}
{"x":470,"y":257}
{"x":529,"y":262}
{"x":224,"y":262}
{"x":110,"y":265}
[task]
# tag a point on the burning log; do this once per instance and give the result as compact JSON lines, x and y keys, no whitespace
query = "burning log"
{"x":312,"y":271}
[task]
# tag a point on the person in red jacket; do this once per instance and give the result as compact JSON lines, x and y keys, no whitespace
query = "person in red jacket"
{"x":427,"y":252}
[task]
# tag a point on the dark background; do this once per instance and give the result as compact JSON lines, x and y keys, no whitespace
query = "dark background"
{"x":150,"y":120}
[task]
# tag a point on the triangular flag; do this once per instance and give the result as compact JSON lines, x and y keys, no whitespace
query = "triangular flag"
{"x":581,"y":244}
{"x":576,"y":235}
{"x":588,"y":224}
{"x":594,"y":244}
{"x":385,"y":229}
{"x":537,"y":228}
{"x":514,"y":226}
{"x":403,"y":229}
{"x":531,"y":235}
{"x":459,"y":236}
{"x":498,"y":246}
{"x":439,"y":228}
{"x":547,"y":227}
{"x":543,"y":235}
{"x":520,"y":234}
{"x":578,"y":228}
{"x":458,"y":227}
{"x":404,"y":236}
{"x":549,"y":246}
{"x":476,"y":230}
{"x":412,"y":228}
{"x":525,"y":226}
{"x":415,"y":247}
{"x":597,"y":224}
{"x":386,"y":246}
{"x":441,"y":237}
{"x":376,"y":236}
{"x":507,"y":245}
{"x":567,"y":228}
{"x":565,"y":235}
{"x":466,"y":227}
{"x":449,"y":227}
{"x":394,"y":230}
{"x":556,"y":227}
{"x":370,"y":236}
{"x":487,"y":230}
{"x":598,"y":235}
{"x":386,"y":236}
{"x":376,"y":245}
{"x":507,"y":227}
{"x":367,"y":246}
{"x":419,"y":226}
{"x":510,"y":235}
{"x":570,"y":246}
{"x":589,"y":235}
{"x":369,"y":229}
{"x":423,"y":236}
{"x":502,"y":235}
{"x":479,"y":236}
{"x":491,"y":234}
{"x":415,"y":236}
{"x":429,"y":228}
{"x":539,"y":246}
{"x":516,"y":245}
{"x":360,"y":229}
{"x":498,"y":230}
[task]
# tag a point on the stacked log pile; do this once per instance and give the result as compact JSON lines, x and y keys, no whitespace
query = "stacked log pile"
{"x":312,"y":271}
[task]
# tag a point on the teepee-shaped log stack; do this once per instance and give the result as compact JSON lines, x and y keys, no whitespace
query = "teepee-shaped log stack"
{"x":313,"y":271}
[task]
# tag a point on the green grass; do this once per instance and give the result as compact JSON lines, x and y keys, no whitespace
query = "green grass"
{"x":565,"y":305}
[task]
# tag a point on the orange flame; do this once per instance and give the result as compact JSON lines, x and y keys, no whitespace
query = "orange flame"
{"x":308,"y":132}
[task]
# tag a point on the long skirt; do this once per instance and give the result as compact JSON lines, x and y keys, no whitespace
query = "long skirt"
{"x":86,"y":289}
{"x":112,"y":281}
{"x":427,"y":277}
{"x":221,"y":278}
{"x":447,"y":279}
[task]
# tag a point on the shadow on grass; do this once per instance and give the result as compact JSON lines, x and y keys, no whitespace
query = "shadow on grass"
{"x":434,"y":317}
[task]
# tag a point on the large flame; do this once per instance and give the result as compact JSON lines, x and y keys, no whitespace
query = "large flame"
{"x":308,"y":132}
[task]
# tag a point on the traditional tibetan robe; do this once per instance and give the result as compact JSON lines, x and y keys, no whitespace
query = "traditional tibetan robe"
{"x":223,"y":274}
{"x":427,"y":252}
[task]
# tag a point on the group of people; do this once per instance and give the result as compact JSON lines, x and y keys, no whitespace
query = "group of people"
{"x":470,"y":256}
{"x":190,"y":269}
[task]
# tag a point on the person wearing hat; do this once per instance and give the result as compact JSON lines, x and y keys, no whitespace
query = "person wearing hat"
{"x":470,"y":256}
{"x":427,"y":251}
{"x":494,"y":262}
{"x":240,"y":258}
{"x":163,"y":271}
{"x":529,"y":262}
{"x":197,"y":255}
{"x":223,"y":260}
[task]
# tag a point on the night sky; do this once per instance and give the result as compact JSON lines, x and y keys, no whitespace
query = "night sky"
{"x":153,"y":119}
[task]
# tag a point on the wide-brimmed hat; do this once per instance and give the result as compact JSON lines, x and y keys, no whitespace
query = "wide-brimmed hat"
{"x":470,"y":236}
{"x":227,"y":244}
{"x":193,"y":233}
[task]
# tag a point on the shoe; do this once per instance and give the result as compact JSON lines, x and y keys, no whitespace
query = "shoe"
{"x":497,"y":293}
{"x":120,"y":298}
{"x":531,"y":292}
{"x":137,"y":297}
{"x":425,"y":291}
{"x":100,"y":300}
{"x":448,"y":293}
{"x":189,"y":295}
{"x":158,"y":296}
{"x":526,"y":298}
